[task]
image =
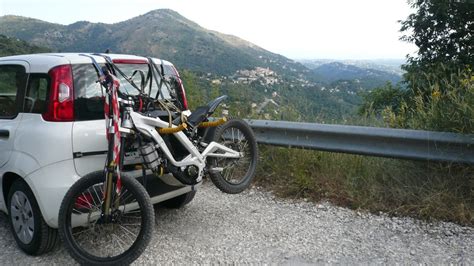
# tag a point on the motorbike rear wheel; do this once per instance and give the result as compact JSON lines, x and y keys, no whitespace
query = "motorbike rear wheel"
{"x":90,"y":237}
{"x":234,"y":175}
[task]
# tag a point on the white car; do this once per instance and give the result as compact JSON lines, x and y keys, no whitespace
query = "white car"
{"x":52,"y":132}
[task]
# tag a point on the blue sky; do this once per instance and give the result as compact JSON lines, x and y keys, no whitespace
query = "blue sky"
{"x":337,"y":29}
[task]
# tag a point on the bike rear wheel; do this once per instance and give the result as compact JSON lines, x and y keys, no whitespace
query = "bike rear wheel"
{"x":234,"y":175}
{"x":92,"y":239}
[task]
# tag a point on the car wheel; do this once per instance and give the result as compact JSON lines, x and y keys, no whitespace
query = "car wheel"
{"x":179,"y":201}
{"x":29,"y":229}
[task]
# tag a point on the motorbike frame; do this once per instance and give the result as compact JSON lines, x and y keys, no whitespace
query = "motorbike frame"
{"x":148,"y":125}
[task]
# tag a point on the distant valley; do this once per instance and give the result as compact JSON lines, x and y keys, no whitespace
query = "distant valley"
{"x":367,"y":73}
{"x":387,"y":65}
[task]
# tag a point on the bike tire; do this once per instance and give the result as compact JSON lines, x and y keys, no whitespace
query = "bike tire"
{"x":251,"y":151}
{"x":70,"y":202}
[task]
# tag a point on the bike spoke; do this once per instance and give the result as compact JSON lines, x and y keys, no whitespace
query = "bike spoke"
{"x":118,"y":241}
{"x":128,"y":231}
{"x":235,"y":169}
{"x":82,"y":231}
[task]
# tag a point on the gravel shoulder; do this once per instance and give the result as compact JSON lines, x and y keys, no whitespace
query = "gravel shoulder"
{"x":256,"y":227}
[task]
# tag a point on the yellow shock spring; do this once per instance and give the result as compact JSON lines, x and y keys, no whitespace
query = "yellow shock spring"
{"x":213,"y":123}
{"x":171,"y":130}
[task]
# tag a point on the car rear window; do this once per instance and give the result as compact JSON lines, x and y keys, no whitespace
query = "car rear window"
{"x":89,"y":95}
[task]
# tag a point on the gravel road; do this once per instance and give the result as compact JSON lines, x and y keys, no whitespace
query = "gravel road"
{"x":255,"y":227}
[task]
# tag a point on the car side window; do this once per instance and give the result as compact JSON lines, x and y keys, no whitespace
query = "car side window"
{"x":88,"y":94}
{"x":12,"y":82}
{"x":36,"y":94}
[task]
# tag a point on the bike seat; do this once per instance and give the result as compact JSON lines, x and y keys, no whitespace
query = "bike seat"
{"x":203,"y":112}
{"x":198,"y":116}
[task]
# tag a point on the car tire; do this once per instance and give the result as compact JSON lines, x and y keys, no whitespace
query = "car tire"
{"x":29,"y":229}
{"x":179,"y":201}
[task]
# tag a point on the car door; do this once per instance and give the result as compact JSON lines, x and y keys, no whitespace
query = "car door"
{"x":13,"y":80}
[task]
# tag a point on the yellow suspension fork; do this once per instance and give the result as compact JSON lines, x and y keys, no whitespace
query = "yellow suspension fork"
{"x":108,"y":192}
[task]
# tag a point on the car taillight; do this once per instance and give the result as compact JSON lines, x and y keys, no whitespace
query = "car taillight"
{"x":183,"y":95}
{"x":184,"y":101}
{"x":61,"y":98}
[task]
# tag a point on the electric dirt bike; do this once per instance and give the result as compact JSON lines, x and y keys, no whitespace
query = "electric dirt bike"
{"x":106,"y":217}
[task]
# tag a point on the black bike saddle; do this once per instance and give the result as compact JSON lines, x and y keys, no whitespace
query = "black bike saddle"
{"x":203,"y":112}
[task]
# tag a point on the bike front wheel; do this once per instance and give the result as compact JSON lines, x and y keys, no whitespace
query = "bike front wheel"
{"x":234,"y":175}
{"x":92,"y":238}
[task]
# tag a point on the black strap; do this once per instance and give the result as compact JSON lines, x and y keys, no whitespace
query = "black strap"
{"x":115,"y":68}
{"x":142,"y":80}
{"x":159,"y":84}
{"x":149,"y":79}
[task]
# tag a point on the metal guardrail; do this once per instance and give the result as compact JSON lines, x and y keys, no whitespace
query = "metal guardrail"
{"x":384,"y":142}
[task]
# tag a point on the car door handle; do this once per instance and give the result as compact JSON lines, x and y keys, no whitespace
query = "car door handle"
{"x":4,"y":133}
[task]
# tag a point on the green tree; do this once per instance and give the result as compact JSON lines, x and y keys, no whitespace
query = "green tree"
{"x":375,"y":101}
{"x":215,"y":91}
{"x":195,"y":90}
{"x":13,"y":46}
{"x":440,"y":77}
{"x":443,"y":31}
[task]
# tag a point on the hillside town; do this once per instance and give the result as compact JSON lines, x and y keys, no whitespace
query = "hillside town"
{"x":265,"y":76}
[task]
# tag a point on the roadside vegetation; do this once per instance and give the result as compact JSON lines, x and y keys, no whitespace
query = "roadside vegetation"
{"x":430,"y":191}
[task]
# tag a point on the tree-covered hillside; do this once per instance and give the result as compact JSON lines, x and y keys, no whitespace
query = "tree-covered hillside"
{"x":360,"y":74}
{"x":14,"y":46}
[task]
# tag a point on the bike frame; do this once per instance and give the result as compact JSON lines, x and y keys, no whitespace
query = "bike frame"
{"x":147,"y":126}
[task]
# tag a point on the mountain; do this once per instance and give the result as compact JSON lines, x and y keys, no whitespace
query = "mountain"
{"x":363,"y":75}
{"x":211,"y":63}
{"x":14,"y":46}
{"x":393,"y":66}
{"x":161,"y":33}
{"x":387,"y":65}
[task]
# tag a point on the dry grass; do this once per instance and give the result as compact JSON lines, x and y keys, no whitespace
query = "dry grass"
{"x":430,"y":191}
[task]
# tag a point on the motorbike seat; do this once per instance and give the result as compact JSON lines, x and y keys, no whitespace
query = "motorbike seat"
{"x":203,"y":112}
{"x":198,"y":116}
